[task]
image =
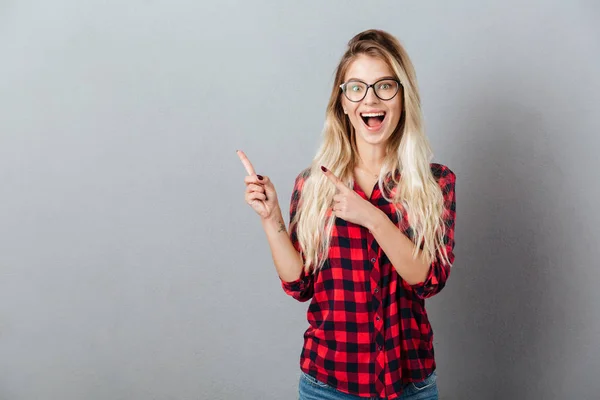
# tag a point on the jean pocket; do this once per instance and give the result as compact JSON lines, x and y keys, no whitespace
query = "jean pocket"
{"x":313,"y":381}
{"x":425,"y":383}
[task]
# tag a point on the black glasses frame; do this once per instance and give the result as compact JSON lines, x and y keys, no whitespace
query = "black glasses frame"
{"x":343,"y":87}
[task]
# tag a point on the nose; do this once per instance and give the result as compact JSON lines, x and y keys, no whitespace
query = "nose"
{"x":371,"y":98}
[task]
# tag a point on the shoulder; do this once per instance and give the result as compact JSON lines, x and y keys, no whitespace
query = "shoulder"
{"x":297,"y":191}
{"x":302,"y":177}
{"x":445,"y":178}
{"x":299,"y":183}
{"x":304,"y":174}
{"x":442,"y":172}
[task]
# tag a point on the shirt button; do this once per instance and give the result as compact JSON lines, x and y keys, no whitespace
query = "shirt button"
{"x":377,"y":318}
{"x":373,"y":260}
{"x":380,"y":348}
{"x":376,"y":290}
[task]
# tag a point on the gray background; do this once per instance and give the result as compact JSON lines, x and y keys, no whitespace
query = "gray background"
{"x":130,"y":266}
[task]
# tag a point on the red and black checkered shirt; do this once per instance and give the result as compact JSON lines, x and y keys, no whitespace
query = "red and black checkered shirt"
{"x":368,"y":332}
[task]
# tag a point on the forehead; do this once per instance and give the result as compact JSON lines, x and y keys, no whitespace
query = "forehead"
{"x":368,"y":69}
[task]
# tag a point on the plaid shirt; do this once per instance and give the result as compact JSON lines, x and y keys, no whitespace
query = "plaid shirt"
{"x":368,"y":332}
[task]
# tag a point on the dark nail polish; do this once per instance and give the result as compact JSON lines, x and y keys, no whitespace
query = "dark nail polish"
{"x":260,"y":178}
{"x":323,"y":169}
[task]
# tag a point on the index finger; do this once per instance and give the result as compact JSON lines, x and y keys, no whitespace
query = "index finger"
{"x":246,"y":162}
{"x":334,"y":179}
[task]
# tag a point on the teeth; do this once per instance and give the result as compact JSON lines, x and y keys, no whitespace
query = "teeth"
{"x":379,"y":114}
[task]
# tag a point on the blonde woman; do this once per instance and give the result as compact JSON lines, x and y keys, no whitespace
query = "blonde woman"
{"x":371,"y":233}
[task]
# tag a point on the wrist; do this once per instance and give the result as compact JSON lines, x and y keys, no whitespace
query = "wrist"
{"x":275,"y":219}
{"x":375,"y":220}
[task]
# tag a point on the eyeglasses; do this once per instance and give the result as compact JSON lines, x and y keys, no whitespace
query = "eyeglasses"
{"x":356,"y":90}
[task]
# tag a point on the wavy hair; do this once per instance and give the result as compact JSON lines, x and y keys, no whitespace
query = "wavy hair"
{"x":411,"y":186}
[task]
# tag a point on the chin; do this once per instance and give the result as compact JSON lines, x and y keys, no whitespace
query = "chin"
{"x":374,"y":138}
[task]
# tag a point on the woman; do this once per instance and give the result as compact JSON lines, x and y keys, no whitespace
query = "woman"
{"x":371,"y":233}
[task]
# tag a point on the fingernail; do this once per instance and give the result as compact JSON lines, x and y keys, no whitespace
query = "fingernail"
{"x":323,"y":169}
{"x":260,"y":178}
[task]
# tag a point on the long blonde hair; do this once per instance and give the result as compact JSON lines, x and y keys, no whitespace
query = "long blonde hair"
{"x":408,"y":152}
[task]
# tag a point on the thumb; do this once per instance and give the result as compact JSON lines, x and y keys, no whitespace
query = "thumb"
{"x":269,"y":187}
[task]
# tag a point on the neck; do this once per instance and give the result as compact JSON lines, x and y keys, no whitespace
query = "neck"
{"x":370,"y":157}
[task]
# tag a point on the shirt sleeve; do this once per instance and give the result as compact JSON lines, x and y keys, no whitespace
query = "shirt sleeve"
{"x":439,"y":271}
{"x":302,"y":289}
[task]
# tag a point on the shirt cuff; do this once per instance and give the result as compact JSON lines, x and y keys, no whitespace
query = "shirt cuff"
{"x":428,"y":285}
{"x":297,"y":285}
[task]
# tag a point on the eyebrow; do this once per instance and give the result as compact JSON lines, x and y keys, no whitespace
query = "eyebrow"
{"x":378,"y":79}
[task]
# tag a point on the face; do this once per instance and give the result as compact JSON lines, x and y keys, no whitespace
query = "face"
{"x":373,"y":119}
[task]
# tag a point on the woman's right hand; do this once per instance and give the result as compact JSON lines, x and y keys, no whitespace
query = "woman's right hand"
{"x":260,"y":192}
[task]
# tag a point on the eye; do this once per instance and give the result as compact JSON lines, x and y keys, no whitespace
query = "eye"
{"x":385,"y":86}
{"x":355,"y":88}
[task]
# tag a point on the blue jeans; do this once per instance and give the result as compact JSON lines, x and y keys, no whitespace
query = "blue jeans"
{"x":312,"y":389}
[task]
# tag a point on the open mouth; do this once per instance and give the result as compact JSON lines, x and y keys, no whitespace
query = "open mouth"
{"x":373,"y":120}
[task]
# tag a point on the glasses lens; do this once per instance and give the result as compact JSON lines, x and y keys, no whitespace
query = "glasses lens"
{"x":386,"y":89}
{"x":355,"y":91}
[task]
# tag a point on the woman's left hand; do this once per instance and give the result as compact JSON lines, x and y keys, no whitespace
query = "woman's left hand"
{"x":349,"y":205}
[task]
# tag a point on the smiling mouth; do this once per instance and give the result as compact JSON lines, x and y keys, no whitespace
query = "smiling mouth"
{"x":373,"y":120}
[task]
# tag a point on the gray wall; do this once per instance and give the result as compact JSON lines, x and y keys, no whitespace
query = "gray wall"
{"x":130,"y":266}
